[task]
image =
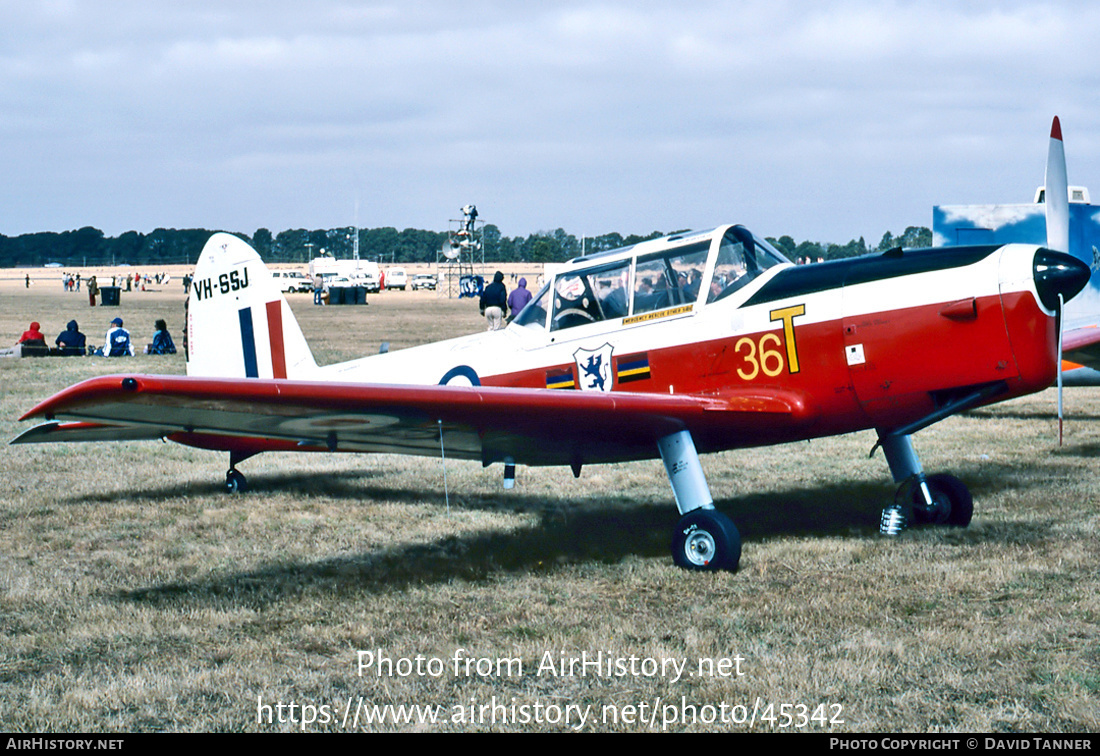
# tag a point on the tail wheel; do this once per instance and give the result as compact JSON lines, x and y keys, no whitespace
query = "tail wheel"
{"x":952,"y":504}
{"x":235,"y":482}
{"x":706,"y":541}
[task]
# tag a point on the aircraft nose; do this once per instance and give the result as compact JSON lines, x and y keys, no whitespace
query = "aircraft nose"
{"x":1058,"y":273}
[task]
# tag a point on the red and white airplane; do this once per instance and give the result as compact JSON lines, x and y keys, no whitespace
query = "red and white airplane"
{"x":697,"y":342}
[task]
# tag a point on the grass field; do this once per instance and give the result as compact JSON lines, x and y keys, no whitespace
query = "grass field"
{"x":136,"y":596}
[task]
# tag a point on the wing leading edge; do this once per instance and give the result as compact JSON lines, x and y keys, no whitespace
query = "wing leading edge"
{"x":528,"y":426}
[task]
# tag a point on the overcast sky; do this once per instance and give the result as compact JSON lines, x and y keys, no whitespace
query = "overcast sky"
{"x":822,"y":120}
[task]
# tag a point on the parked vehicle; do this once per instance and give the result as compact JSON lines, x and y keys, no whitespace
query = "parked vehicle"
{"x":424,"y":281}
{"x":291,"y":280}
{"x":396,"y":278}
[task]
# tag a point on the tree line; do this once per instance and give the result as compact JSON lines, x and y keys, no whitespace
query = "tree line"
{"x":89,"y":246}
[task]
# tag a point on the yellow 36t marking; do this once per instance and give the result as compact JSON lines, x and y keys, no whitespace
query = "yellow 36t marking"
{"x":763,"y":355}
{"x":787,"y":315}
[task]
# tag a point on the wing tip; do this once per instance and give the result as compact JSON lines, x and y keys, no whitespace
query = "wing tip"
{"x":1056,"y":129}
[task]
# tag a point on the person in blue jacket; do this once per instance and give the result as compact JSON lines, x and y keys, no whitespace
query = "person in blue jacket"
{"x":162,"y":340}
{"x":71,"y":337}
{"x":118,"y":341}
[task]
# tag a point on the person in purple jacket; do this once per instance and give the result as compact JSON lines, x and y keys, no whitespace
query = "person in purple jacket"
{"x":518,"y":299}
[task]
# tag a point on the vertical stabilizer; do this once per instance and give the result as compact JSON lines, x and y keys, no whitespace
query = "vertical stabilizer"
{"x":239,"y":324}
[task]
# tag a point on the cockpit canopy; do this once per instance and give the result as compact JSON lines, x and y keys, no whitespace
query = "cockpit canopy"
{"x":674,"y":273}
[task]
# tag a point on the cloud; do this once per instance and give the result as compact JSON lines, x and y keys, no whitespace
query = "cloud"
{"x":824,"y":121}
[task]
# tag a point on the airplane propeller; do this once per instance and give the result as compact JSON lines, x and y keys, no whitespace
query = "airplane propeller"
{"x":1056,"y":194}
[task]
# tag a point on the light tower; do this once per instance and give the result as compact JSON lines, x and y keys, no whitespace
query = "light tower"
{"x":459,"y":254}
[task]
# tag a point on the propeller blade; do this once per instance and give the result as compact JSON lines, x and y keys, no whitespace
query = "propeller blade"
{"x":1057,"y":216}
{"x":1057,"y":192}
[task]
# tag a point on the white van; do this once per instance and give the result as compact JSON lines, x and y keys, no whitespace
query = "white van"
{"x":291,"y":280}
{"x":396,"y":278}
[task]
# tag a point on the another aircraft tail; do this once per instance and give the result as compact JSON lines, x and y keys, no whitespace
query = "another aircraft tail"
{"x":239,"y":324}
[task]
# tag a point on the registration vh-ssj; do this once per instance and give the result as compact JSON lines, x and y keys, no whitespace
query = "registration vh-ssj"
{"x":689,"y":344}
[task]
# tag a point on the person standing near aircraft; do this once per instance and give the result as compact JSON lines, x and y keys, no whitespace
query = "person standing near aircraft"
{"x":519,"y":298}
{"x":494,"y":302}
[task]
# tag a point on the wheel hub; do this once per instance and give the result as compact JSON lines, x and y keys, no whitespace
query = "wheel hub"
{"x":700,"y":548}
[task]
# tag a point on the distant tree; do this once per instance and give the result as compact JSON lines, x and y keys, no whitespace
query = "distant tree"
{"x":886,"y":243}
{"x":853,"y":248}
{"x":375,"y":243}
{"x":492,"y":243}
{"x":808,"y":249}
{"x":635,"y":239}
{"x":916,"y":237}
{"x":89,"y":246}
{"x":128,"y":247}
{"x":540,"y":249}
{"x":262,"y":242}
{"x":784,"y":244}
{"x":605,"y":242}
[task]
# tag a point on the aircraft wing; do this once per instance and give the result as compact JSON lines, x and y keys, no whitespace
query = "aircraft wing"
{"x":530,"y":426}
{"x":1082,"y":346}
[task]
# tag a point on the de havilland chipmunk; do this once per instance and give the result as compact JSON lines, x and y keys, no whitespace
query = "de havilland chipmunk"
{"x":693,"y":343}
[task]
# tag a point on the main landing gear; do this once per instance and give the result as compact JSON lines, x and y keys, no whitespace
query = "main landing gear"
{"x":921,"y":500}
{"x":704,"y":539}
{"x":707,"y":540}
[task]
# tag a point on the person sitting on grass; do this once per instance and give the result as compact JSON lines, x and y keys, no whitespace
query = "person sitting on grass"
{"x":162,"y":340}
{"x":33,"y":336}
{"x":118,"y":341}
{"x":71,"y":337}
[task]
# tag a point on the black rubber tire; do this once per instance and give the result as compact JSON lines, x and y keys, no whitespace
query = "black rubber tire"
{"x":235,"y":482}
{"x":706,"y":541}
{"x":956,"y":504}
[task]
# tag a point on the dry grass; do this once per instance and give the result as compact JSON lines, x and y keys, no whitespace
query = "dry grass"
{"x":136,"y":596}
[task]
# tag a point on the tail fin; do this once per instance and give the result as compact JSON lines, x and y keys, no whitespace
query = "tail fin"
{"x":239,"y":325}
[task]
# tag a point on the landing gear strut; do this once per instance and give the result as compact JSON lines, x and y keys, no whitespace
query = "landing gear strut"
{"x":704,"y":539}
{"x":933,"y":499}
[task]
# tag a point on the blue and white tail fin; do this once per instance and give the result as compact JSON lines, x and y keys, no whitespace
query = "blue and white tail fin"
{"x":239,"y":324}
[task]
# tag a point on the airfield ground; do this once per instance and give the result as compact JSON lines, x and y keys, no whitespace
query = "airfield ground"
{"x":135,"y":595}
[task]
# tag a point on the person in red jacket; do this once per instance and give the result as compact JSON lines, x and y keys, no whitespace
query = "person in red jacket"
{"x":33,"y":336}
